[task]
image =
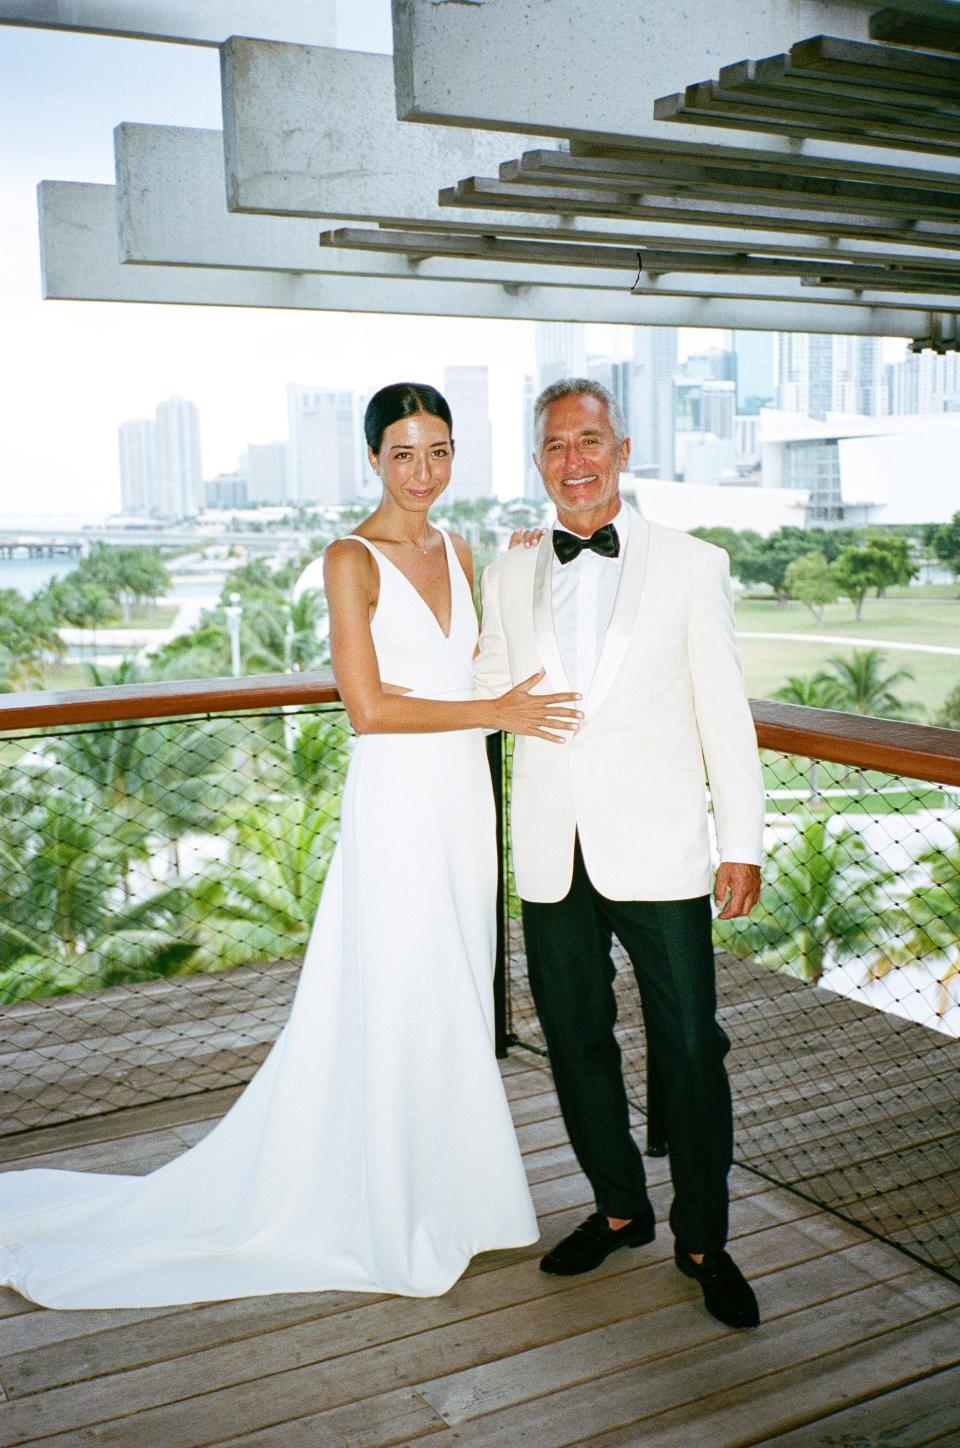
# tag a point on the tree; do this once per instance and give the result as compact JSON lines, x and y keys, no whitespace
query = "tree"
{"x":949,"y":716}
{"x":892,"y":558}
{"x":810,"y":580}
{"x":62,"y":925}
{"x":883,"y":560}
{"x":855,"y":572}
{"x":260,"y":905}
{"x":946,"y":544}
{"x":28,"y":634}
{"x":930,"y":927}
{"x":734,"y":544}
{"x":822,"y":896}
{"x":861,"y":687}
{"x":810,"y":691}
{"x":768,"y":561}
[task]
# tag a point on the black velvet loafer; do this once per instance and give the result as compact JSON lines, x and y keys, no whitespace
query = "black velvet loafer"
{"x":727,"y":1295}
{"x":593,"y":1241}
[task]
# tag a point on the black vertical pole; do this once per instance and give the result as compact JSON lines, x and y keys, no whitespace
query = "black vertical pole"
{"x":500,"y":1003}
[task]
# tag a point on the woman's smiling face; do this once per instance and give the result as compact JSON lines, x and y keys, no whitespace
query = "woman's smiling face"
{"x":415,"y":460}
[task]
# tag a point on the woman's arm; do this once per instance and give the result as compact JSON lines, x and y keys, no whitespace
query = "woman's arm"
{"x":350,"y":580}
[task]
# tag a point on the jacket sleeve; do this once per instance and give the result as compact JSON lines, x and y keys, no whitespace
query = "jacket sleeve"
{"x":491,"y":666}
{"x":727,"y":734}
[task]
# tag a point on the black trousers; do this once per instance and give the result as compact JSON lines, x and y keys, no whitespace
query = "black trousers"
{"x":571,"y":975}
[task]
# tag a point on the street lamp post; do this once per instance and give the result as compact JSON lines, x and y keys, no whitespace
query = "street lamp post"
{"x":234,"y":612}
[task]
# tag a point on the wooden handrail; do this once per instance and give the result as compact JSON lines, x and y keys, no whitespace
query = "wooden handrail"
{"x":915,"y":751}
{"x":41,"y":710}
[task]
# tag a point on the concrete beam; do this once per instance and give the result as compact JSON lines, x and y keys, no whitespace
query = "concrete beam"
{"x":594,"y":73}
{"x":79,"y":263}
{"x":306,"y":22}
{"x":311,"y":131}
{"x":171,"y":211}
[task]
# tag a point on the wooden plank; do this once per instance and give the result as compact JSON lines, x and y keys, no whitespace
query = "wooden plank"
{"x":203,"y":1106}
{"x":801,"y":1395}
{"x":923,"y":1412}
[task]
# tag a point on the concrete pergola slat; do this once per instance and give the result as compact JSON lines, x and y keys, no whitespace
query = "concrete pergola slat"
{"x":707,"y":104}
{"x":903,"y":28}
{"x":653,"y":262}
{"x":774,"y":76}
{"x":79,"y":255}
{"x":715,"y":181}
{"x":477,"y":191}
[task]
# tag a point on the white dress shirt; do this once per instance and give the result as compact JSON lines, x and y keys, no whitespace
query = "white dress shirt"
{"x":583,"y":593}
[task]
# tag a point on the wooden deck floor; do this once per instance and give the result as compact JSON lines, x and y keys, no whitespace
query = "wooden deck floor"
{"x":859,"y":1346}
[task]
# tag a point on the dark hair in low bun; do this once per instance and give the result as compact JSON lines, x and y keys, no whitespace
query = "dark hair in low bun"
{"x":402,"y":399}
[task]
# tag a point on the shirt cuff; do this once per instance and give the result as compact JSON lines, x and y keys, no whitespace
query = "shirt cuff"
{"x":733,"y":856}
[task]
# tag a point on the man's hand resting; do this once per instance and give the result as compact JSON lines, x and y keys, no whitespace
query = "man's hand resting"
{"x":737,"y":889}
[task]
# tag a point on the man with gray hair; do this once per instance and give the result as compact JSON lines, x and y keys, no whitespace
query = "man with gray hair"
{"x":610,"y":833}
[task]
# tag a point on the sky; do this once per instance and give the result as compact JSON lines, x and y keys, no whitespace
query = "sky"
{"x":71,"y":372}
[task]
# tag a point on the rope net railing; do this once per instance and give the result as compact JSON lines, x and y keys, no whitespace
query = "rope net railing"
{"x":159,"y":881}
{"x":160,"y":877}
{"x":841,"y":997}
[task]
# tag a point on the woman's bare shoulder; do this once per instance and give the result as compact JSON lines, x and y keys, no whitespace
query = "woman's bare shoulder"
{"x":344,"y":560}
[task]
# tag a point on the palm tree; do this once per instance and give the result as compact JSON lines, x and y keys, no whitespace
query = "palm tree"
{"x":156,"y":782}
{"x":822,"y":894}
{"x":862,"y":687}
{"x":260,"y":904}
{"x":810,"y":691}
{"x":930,"y":927}
{"x":62,"y":925}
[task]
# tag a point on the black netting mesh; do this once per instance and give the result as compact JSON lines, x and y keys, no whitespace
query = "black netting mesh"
{"x":841,"y":996}
{"x":159,"y":882}
{"x":157,"y":889}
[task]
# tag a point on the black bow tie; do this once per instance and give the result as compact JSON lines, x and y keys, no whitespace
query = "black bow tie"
{"x":568,"y":546}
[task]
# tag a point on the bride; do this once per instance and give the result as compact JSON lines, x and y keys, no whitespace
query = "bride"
{"x":374,"y":1149}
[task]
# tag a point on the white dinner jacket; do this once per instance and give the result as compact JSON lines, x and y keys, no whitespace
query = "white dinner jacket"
{"x":667,"y":698}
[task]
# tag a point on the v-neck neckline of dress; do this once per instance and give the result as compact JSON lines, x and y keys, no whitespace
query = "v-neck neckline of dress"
{"x":446,"y":553}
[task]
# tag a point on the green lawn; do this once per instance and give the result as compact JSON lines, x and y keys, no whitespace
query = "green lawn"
{"x":907,"y":620}
{"x":923,"y":620}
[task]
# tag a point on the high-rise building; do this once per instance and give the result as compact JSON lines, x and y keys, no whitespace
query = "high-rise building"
{"x":923,"y":382}
{"x":753,"y":370}
{"x":137,"y":465}
{"x":226,"y":490}
{"x":467,"y":389}
{"x":561,"y":351}
{"x":617,"y":378}
{"x":265,"y":467}
{"x":818,"y":374}
{"x":717,"y":407}
{"x":179,"y":478}
{"x":651,"y":418}
{"x":160,"y":471}
{"x":323,"y":445}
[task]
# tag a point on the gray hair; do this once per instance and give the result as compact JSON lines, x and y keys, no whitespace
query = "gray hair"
{"x":578,"y":387}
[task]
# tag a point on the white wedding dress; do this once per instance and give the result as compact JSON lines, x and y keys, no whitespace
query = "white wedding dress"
{"x":374,"y":1149}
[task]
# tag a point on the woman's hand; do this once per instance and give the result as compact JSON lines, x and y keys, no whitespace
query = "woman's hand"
{"x":528,"y":537}
{"x":521,"y":712}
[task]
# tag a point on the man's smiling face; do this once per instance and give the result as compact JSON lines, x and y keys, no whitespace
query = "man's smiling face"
{"x":580,"y":461}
